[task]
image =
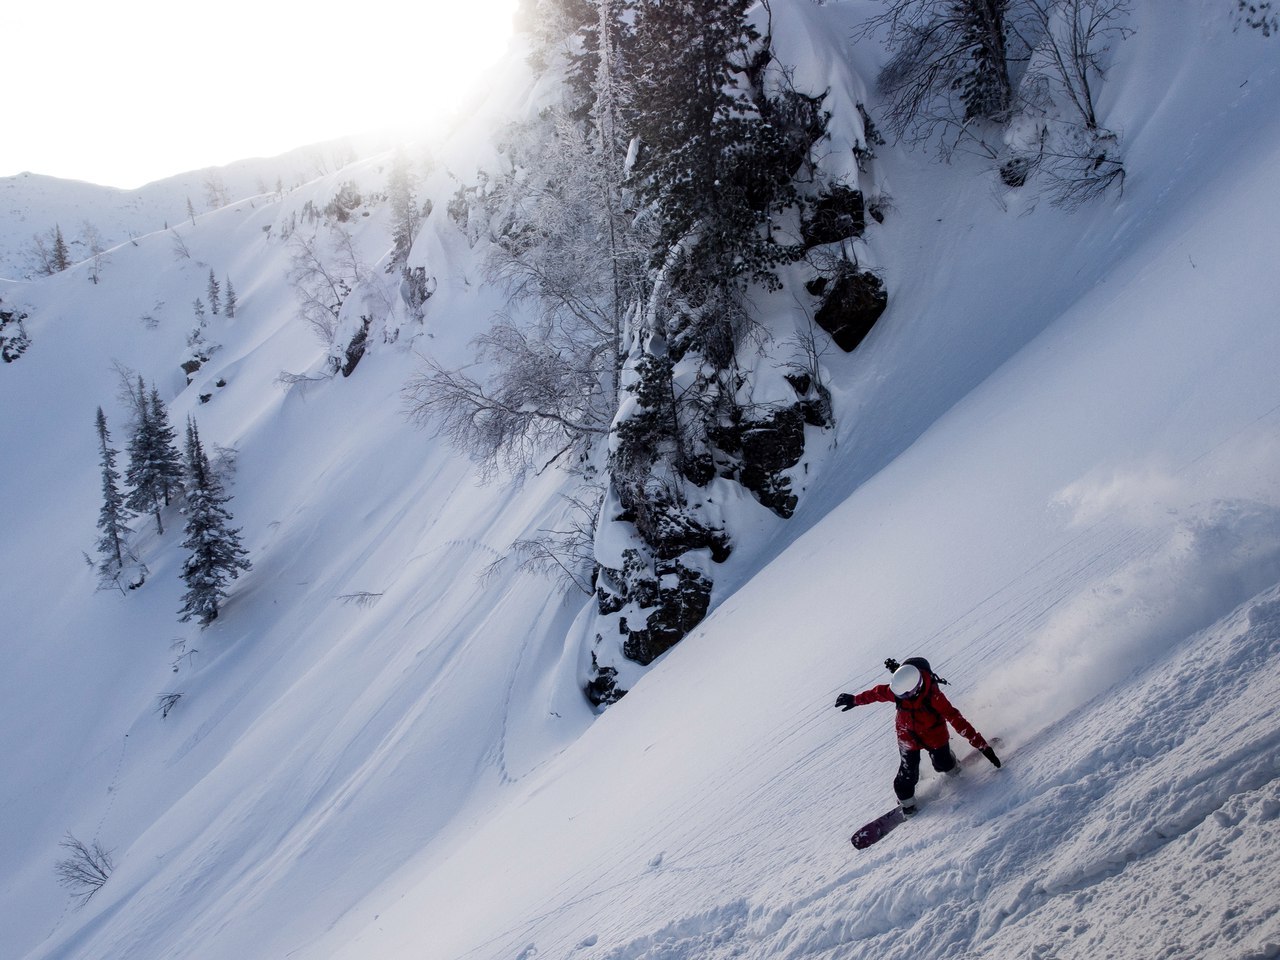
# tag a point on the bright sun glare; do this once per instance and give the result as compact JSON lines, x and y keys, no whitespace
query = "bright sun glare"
{"x":126,"y":93}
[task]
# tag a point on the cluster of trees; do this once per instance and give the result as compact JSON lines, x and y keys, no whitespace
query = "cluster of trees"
{"x":222,"y":296}
{"x":157,"y":475}
{"x":50,"y":252}
{"x":222,"y":299}
{"x":327,"y":268}
{"x":637,"y":220}
{"x":1013,"y":79}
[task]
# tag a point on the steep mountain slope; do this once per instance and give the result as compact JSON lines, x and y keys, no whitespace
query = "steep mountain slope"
{"x":1058,"y":540}
{"x":1054,"y":474}
{"x":31,"y":204}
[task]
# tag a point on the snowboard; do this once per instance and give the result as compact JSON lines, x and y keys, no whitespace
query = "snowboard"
{"x":875,"y":831}
{"x":877,"y":828}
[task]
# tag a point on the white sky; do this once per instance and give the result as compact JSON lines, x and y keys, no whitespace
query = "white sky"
{"x":129,"y":92}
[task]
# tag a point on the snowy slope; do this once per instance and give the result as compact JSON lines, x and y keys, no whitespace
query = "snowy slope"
{"x":32,"y":204}
{"x":1055,"y":475}
{"x":1058,"y":541}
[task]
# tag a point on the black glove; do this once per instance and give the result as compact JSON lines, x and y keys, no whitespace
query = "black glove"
{"x":991,"y":755}
{"x":891,"y":665}
{"x":845,"y":700}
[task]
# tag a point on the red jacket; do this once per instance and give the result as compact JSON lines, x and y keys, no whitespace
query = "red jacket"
{"x":922,"y":721}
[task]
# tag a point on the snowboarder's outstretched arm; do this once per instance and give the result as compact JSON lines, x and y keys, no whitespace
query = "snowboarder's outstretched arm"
{"x":877,"y":694}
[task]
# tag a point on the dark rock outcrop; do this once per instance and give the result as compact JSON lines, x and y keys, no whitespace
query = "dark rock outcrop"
{"x":835,"y":216}
{"x":603,"y":690}
{"x":355,"y":349}
{"x":684,"y":595}
{"x":853,"y":302}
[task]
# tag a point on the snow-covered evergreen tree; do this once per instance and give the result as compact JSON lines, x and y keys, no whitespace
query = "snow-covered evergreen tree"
{"x":113,"y":518}
{"x":232,"y":302}
{"x":61,"y":255}
{"x":715,"y":166}
{"x":215,"y":554}
{"x":155,"y":466}
{"x":215,"y":294}
{"x":405,"y":215}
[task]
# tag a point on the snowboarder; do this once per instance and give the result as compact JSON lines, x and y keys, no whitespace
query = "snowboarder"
{"x":922,"y":717}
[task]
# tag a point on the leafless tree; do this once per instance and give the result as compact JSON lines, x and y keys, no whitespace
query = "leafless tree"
{"x":951,"y":69}
{"x":1072,"y":39}
{"x":564,"y":246}
{"x":566,"y":553}
{"x":215,"y":190}
{"x":180,"y":251}
{"x":1062,"y":141}
{"x":534,"y":411}
{"x":41,"y":255}
{"x":166,"y":702}
{"x":361,"y":598}
{"x":97,"y":250}
{"x":289,"y":380}
{"x":323,"y":274}
{"x":85,"y":868}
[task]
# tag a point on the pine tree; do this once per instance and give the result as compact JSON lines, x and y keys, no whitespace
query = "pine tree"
{"x":168,"y":462}
{"x":715,"y":167}
{"x":405,"y":216}
{"x":215,"y":294}
{"x":215,"y":553}
{"x":61,"y":255}
{"x":155,"y":466}
{"x":231,"y":300}
{"x":114,"y":516}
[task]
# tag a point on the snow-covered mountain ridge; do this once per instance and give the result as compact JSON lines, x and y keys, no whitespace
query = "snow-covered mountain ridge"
{"x":33,"y":205}
{"x":1053,"y":473}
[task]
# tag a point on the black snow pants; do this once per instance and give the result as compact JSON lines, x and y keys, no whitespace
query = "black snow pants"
{"x":904,"y":784}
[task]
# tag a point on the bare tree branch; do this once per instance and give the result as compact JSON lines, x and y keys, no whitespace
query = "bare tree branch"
{"x":85,"y":869}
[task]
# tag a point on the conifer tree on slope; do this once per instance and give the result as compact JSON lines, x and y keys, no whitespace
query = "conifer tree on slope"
{"x":114,"y":516}
{"x":405,"y":215}
{"x":717,"y":165}
{"x":711,"y":163}
{"x":215,"y":554}
{"x":155,"y":466}
{"x":721,"y":144}
{"x":215,"y":294}
{"x":61,"y":255}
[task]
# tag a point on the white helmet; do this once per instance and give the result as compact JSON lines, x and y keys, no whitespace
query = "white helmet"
{"x":906,"y":681}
